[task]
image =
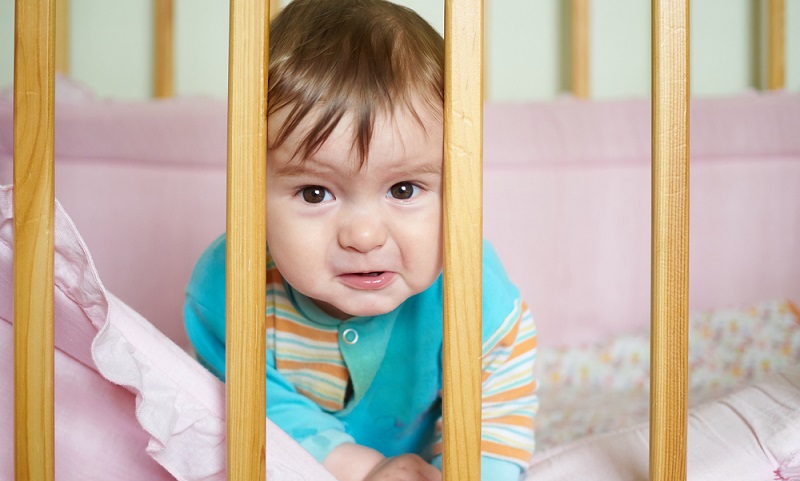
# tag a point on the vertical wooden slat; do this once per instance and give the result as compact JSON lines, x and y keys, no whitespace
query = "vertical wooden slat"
{"x":670,"y":240}
{"x":62,"y":36}
{"x":246,"y":239}
{"x":463,"y":120}
{"x":776,"y":44}
{"x":34,"y":101}
{"x":579,"y":48}
{"x":164,"y":49}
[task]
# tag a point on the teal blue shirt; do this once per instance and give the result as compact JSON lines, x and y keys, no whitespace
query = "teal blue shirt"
{"x":395,"y":366}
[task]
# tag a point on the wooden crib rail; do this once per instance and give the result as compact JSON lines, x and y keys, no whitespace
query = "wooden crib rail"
{"x":772,"y":32}
{"x":34,"y":137}
{"x":776,"y":44}
{"x":164,"y":49}
{"x":246,"y":239}
{"x":463,"y":237}
{"x":772,"y":70}
{"x":33,"y":263}
{"x":579,"y":48}
{"x":164,"y":45}
{"x":670,"y":240}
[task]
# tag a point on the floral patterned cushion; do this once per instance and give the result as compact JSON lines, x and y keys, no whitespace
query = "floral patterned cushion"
{"x":599,"y":388}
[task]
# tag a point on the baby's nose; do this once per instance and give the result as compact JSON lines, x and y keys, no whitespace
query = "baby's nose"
{"x":362,"y":231}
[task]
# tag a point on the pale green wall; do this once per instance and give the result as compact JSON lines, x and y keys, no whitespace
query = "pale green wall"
{"x":6,"y":42}
{"x":112,"y":44}
{"x":203,"y":69}
{"x":723,"y":59}
{"x":793,"y":45}
{"x":619,"y":48}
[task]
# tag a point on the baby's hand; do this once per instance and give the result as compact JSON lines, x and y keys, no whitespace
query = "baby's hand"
{"x":408,"y":467}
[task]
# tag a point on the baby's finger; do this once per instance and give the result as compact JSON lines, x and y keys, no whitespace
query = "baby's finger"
{"x":430,"y":473}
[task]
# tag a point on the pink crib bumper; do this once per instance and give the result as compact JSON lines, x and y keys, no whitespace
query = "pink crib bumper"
{"x":566,"y":201}
{"x":130,"y":404}
{"x":144,"y":183}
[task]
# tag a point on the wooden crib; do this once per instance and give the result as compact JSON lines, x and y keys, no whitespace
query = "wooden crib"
{"x":34,"y":197}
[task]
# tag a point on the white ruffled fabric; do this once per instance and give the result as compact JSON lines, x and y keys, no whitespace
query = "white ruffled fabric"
{"x":789,"y":470}
{"x":179,"y":404}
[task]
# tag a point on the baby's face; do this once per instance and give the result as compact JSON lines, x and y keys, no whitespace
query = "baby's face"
{"x":359,"y":242}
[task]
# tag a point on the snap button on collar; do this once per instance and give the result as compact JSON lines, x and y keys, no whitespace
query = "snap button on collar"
{"x":350,"y":336}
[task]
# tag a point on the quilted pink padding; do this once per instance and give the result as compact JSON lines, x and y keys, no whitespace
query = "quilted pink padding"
{"x":566,"y":201}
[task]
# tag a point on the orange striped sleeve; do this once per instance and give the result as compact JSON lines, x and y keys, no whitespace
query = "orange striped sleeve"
{"x":287,"y":326}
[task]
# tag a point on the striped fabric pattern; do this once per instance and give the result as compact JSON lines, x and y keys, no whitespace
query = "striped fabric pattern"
{"x":509,"y":390}
{"x":307,"y":354}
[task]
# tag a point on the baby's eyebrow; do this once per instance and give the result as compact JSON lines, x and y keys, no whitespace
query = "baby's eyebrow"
{"x":426,"y":168}
{"x":305,"y":167}
{"x":418,"y":168}
{"x":312,"y":167}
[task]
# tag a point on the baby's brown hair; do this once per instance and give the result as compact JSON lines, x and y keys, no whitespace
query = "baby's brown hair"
{"x":365,"y":57}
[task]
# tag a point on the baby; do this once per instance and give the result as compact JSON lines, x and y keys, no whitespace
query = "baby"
{"x":354,"y":232}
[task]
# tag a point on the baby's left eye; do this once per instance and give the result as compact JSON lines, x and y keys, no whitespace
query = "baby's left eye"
{"x":402,"y":190}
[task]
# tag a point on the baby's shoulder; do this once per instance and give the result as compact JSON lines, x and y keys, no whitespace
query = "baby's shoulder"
{"x":207,"y":282}
{"x":501,"y":298}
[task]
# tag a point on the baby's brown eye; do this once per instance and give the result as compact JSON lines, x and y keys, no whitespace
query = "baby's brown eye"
{"x":315,"y":194}
{"x":402,"y":190}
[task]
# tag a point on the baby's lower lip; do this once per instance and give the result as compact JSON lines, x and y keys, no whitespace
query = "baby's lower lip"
{"x":367,"y":281}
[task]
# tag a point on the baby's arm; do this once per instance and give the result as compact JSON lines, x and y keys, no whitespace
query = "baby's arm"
{"x":324,"y":437}
{"x":508,"y":398}
{"x":352,"y":462}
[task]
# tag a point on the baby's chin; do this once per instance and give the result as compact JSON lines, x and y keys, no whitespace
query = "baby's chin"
{"x":345,"y":311}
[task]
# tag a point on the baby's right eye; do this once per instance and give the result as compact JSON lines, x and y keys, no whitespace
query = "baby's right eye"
{"x":315,"y":194}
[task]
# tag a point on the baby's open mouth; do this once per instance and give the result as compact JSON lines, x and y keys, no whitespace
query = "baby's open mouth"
{"x":372,"y":280}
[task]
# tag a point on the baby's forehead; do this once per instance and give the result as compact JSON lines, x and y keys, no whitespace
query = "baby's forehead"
{"x":348,"y":119}
{"x":317,"y":129}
